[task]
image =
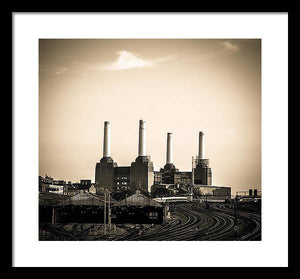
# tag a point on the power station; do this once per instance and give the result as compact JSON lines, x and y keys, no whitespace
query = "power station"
{"x":140,"y":175}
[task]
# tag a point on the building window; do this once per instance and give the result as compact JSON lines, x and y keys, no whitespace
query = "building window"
{"x":153,"y":215}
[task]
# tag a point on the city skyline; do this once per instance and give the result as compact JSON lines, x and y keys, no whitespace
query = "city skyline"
{"x":177,"y":86}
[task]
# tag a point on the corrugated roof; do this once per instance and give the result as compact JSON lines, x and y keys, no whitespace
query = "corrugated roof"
{"x":83,"y":198}
{"x":137,"y":199}
{"x":101,"y":196}
{"x":86,"y":198}
{"x":46,"y":198}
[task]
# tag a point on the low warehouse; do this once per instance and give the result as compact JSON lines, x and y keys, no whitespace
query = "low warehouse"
{"x":84,"y":207}
{"x":138,"y":209}
{"x":47,"y":203}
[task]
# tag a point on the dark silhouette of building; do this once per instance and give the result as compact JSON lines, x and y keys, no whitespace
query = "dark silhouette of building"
{"x":201,"y":170}
{"x":141,"y":175}
{"x":121,"y":178}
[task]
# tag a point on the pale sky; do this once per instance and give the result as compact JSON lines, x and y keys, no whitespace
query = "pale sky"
{"x":179,"y":86}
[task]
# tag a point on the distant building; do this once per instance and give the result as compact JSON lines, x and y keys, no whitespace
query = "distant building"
{"x":48,"y":184}
{"x":121,"y":178}
{"x":59,"y":182}
{"x":93,"y":189}
{"x":140,"y":175}
{"x":250,"y":193}
{"x":61,"y":187}
{"x":208,"y":190}
{"x":86,"y":182}
{"x":70,"y":191}
{"x":202,"y":172}
{"x":183,"y":177}
{"x":44,"y":183}
{"x":56,"y":189}
{"x":157,"y":177}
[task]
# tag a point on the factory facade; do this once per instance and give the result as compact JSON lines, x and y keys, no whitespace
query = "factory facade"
{"x":140,"y":175}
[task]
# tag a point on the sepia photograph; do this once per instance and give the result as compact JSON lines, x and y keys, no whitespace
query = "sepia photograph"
{"x":150,"y":139}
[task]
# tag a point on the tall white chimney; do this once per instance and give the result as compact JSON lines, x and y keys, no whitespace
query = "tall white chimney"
{"x":170,"y":148}
{"x":106,"y":139}
{"x":142,"y":138}
{"x":201,"y":154}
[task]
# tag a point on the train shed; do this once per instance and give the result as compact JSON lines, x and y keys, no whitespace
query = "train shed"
{"x":138,"y":209}
{"x":47,"y":203}
{"x":84,"y":207}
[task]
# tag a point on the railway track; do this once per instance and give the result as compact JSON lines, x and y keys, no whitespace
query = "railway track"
{"x":253,"y":220}
{"x":57,"y":232}
{"x":188,"y":225}
{"x":194,"y":222}
{"x":191,"y":221}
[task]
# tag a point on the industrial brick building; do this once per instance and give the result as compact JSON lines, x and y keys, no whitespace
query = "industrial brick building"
{"x":140,"y":175}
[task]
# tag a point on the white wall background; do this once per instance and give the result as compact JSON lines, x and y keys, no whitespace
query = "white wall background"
{"x":271,"y":28}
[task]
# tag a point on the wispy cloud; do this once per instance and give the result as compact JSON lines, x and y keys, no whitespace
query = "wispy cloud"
{"x":59,"y":70}
{"x":229,"y":47}
{"x":223,"y":48}
{"x":128,"y":60}
{"x":62,"y":70}
{"x":125,"y":60}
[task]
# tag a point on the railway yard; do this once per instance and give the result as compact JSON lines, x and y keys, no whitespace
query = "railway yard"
{"x":188,"y":221}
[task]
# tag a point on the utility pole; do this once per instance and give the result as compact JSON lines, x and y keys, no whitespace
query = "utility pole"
{"x":53,"y":215}
{"x":109,"y":217}
{"x":105,"y":211}
{"x":193,"y":175}
{"x":235,"y":215}
{"x":235,"y":212}
{"x":165,"y":211}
